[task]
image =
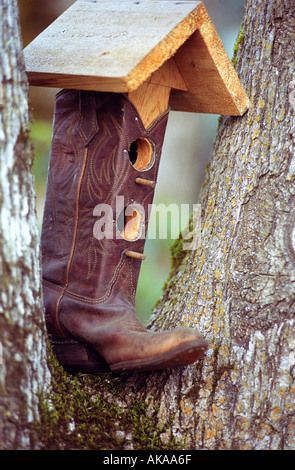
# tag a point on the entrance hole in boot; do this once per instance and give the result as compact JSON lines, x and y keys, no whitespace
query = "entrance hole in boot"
{"x":129,"y":223}
{"x":141,"y":154}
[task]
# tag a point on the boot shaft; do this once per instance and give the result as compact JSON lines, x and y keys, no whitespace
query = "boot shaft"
{"x":102,"y":161}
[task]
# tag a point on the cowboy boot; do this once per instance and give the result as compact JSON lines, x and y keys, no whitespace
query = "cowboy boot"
{"x":92,"y":246}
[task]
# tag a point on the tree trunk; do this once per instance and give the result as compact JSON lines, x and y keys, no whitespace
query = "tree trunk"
{"x":238,"y":287}
{"x":23,"y":369}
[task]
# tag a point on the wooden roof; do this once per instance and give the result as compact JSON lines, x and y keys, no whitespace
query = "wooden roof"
{"x":116,"y":45}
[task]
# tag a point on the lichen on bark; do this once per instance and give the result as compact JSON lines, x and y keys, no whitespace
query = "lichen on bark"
{"x":23,"y":369}
{"x":238,"y":287}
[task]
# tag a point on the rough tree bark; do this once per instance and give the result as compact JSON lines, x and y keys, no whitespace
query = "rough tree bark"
{"x":237,"y":288}
{"x":23,"y":368}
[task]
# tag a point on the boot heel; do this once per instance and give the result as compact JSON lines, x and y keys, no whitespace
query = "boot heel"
{"x":77,"y":357}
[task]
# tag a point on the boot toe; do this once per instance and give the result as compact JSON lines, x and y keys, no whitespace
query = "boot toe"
{"x":169,"y":349}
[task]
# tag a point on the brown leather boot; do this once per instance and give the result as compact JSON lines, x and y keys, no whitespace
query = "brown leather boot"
{"x":91,"y":254}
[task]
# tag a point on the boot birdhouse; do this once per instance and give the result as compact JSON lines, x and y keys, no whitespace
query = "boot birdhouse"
{"x":121,"y":65}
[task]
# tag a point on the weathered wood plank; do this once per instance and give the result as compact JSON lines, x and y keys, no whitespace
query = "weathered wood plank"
{"x":212,"y":83}
{"x":117,"y":46}
{"x":109,"y":45}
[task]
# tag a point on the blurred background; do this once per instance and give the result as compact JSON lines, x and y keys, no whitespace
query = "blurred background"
{"x":187,"y":145}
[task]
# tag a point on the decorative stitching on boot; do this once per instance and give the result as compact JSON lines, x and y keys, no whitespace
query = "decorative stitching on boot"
{"x":111,"y":284}
{"x":73,"y":242}
{"x":87,"y":117}
{"x":109,"y":287}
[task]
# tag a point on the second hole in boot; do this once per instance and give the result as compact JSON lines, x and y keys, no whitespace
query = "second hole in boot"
{"x":130,"y":223}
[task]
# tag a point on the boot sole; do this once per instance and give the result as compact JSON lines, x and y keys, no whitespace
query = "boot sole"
{"x":76,"y":357}
{"x":181,"y":356}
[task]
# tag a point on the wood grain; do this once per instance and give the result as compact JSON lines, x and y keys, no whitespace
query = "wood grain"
{"x":152,"y":97}
{"x":120,"y":41}
{"x":118,"y":45}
